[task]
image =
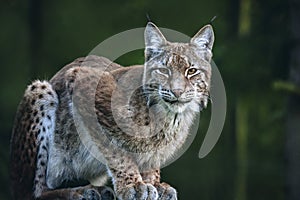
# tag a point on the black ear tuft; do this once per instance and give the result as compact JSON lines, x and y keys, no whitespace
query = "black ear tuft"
{"x":148,"y":17}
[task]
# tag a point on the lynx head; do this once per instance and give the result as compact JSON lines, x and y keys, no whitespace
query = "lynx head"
{"x":177,"y":75}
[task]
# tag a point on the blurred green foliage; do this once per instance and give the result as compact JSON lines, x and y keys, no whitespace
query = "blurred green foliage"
{"x":251,"y":50}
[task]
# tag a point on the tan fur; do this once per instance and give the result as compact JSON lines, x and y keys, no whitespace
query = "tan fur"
{"x":144,"y":114}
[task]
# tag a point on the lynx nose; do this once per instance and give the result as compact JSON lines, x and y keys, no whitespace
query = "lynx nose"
{"x":177,"y":92}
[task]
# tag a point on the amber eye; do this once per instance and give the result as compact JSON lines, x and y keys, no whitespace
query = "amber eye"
{"x":191,"y":71}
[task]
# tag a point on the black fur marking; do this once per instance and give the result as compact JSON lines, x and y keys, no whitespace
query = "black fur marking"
{"x":32,"y":87}
{"x":33,"y":102}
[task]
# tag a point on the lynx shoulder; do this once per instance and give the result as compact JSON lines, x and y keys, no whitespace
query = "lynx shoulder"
{"x":136,"y":117}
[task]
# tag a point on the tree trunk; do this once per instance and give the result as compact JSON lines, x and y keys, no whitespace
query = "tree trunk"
{"x":242,"y":112}
{"x":241,"y":148}
{"x":293,"y":110}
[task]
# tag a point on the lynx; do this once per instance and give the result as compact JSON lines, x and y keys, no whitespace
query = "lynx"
{"x":143,"y":113}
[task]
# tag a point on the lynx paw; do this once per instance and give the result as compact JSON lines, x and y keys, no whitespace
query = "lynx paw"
{"x":166,"y":192}
{"x":140,"y":191}
{"x":91,"y":194}
{"x":107,"y":193}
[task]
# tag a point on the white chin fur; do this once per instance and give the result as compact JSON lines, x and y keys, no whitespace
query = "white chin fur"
{"x":182,"y":107}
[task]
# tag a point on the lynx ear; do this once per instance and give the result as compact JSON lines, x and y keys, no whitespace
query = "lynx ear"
{"x":154,"y":40}
{"x":204,"y":39}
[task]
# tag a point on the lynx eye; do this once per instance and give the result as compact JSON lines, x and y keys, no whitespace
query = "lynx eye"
{"x":163,"y":71}
{"x":191,"y":71}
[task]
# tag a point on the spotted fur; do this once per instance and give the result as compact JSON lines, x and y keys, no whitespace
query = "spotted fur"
{"x":144,"y":114}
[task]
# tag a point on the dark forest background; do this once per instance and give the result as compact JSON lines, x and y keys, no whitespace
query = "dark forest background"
{"x":257,"y":51}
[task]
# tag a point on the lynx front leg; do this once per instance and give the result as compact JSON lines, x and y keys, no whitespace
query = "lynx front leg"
{"x":129,"y":184}
{"x":165,"y":191}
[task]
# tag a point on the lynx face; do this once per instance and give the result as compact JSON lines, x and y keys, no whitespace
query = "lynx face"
{"x":177,"y":75}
